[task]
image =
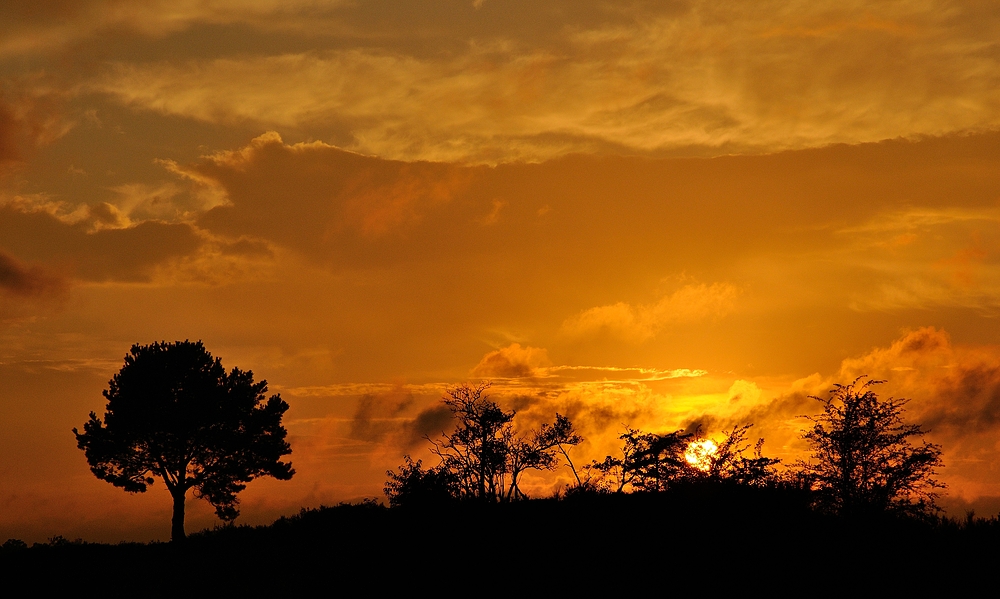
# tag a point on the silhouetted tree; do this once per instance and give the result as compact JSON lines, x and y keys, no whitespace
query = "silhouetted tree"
{"x":478,"y":449}
{"x":731,"y":463}
{"x":863,"y":459}
{"x":537,"y":451}
{"x":483,"y":458}
{"x":173,"y":412}
{"x":649,"y":461}
{"x":559,"y":435}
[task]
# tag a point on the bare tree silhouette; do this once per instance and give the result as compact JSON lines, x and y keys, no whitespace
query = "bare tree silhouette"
{"x":483,"y":458}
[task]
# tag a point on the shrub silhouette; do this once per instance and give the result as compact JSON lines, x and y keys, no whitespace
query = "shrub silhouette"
{"x":173,"y":412}
{"x":415,"y":486}
{"x":730,"y":462}
{"x":864,"y":459}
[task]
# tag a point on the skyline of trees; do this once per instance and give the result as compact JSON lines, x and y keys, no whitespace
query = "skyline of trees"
{"x":174,"y":413}
{"x":862,"y":462}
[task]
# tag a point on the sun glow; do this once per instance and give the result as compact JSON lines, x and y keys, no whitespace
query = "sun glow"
{"x":699,"y":454}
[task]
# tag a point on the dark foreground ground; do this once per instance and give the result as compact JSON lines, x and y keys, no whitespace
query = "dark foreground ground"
{"x":736,"y":541}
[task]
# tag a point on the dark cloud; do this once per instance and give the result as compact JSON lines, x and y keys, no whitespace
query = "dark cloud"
{"x":382,"y":418}
{"x":593,"y":412}
{"x":429,"y":423}
{"x":785,"y":407}
{"x":103,"y":215}
{"x":28,"y":281}
{"x":48,"y":11}
{"x":8,"y":135}
{"x":498,"y":365}
{"x":127,"y":254}
{"x":953,"y":390}
{"x":700,"y":424}
{"x":378,"y":415}
{"x":924,"y":340}
{"x":957,"y":506}
{"x":967,"y":401}
{"x":509,"y":80}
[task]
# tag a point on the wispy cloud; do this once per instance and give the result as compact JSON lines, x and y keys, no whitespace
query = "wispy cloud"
{"x":52,"y":26}
{"x":924,"y":258}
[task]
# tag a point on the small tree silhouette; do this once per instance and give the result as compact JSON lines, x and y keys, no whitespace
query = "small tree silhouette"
{"x":173,"y":412}
{"x":863,"y":458}
{"x":478,"y":449}
{"x":649,"y":461}
{"x":482,"y":458}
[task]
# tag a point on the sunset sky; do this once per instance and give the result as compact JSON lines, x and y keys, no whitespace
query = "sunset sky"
{"x":660,"y":215}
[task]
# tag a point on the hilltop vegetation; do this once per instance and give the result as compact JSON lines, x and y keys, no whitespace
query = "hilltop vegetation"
{"x":671,"y":507}
{"x":866,"y":461}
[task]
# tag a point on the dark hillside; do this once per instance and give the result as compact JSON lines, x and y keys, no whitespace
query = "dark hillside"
{"x":695,"y":537}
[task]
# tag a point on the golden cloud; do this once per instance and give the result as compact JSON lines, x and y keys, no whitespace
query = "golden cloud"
{"x":762,"y":79}
{"x":56,"y":24}
{"x":512,"y":361}
{"x":690,"y":303}
{"x":317,"y":197}
{"x":29,"y":118}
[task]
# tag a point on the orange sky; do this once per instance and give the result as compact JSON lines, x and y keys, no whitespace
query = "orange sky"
{"x":653,"y":214}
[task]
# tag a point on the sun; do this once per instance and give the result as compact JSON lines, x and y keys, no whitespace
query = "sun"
{"x":699,"y":453}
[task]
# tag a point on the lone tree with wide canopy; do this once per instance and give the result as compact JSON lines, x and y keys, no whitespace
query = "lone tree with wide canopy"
{"x":174,"y":412}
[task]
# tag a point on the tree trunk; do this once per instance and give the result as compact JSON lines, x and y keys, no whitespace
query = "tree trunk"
{"x":177,"y":523}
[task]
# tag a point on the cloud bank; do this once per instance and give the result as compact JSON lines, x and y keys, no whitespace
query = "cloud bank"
{"x":710,"y":77}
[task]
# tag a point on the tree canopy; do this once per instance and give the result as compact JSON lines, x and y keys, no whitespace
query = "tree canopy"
{"x":866,"y":459}
{"x":173,"y":412}
{"x":649,"y":461}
